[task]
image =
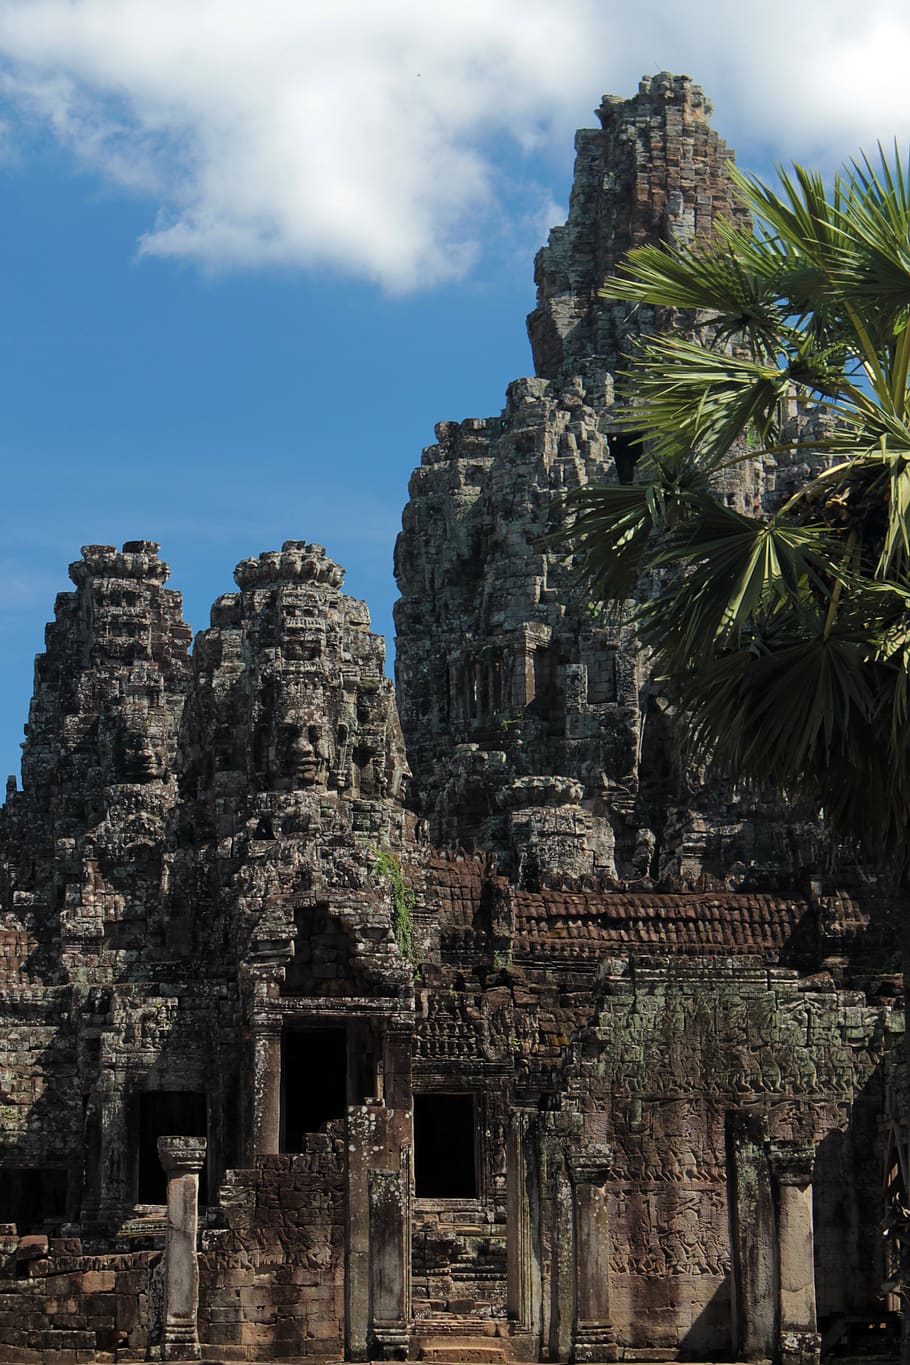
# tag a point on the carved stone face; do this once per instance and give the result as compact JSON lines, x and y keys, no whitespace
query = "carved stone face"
{"x":140,"y":763}
{"x":130,"y":751}
{"x":299,"y":753}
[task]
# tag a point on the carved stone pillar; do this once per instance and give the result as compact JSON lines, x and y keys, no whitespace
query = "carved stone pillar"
{"x":266,"y":1087}
{"x":523,"y":1286}
{"x":182,"y":1159}
{"x":92,"y":1148}
{"x":397,"y":1048}
{"x":799,"y":1341}
{"x":753,"y":1237}
{"x":562,"y":1267}
{"x":361,"y":1137}
{"x":115,"y":1168}
{"x":595,"y":1337}
{"x":390,"y":1260}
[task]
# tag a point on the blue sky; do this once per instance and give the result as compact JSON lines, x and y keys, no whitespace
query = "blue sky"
{"x":251,"y":254}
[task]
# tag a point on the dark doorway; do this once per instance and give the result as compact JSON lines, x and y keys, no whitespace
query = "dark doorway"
{"x":445,"y":1157}
{"x":32,"y":1197}
{"x":626,"y":449}
{"x":166,"y":1113}
{"x":313,"y":1082}
{"x":546,"y":690}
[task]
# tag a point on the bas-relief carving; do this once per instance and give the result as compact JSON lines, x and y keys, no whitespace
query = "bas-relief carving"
{"x":656,"y":1234}
{"x":766,"y":1046}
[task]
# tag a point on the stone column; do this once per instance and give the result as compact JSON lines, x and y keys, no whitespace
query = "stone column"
{"x":562,"y":1264}
{"x":116,"y":1168}
{"x":266,"y":1086}
{"x":361,"y":1138}
{"x":182,"y":1159}
{"x":799,"y":1342}
{"x":390,"y":1255}
{"x":753,"y":1237}
{"x":92,"y":1148}
{"x":397,"y":1049}
{"x":595,"y":1337}
{"x":523,"y":1288}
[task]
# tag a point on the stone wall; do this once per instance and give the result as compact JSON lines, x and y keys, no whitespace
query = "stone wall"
{"x":272,"y":1280}
{"x":58,"y":1304}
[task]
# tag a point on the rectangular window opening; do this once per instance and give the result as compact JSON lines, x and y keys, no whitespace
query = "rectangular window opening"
{"x":314,"y":1082}
{"x":626,"y":449}
{"x":32,"y":1197}
{"x":445,"y":1149}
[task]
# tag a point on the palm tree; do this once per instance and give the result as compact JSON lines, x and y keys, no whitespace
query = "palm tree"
{"x":784,"y":628}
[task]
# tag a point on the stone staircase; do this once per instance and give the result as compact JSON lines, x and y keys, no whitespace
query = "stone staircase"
{"x":463,"y":1351}
{"x":446,"y":1340}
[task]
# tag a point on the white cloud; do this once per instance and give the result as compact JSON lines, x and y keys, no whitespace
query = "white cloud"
{"x":365,"y":135}
{"x":294,"y":133}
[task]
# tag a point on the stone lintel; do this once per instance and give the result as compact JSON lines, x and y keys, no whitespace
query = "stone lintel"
{"x":330,"y":1008}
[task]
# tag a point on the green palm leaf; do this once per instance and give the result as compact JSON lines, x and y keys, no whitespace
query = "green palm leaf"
{"x":783,"y":634}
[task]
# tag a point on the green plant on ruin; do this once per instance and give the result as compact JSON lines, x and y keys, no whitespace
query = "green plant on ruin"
{"x":783,"y":630}
{"x":388,"y":868}
{"x":503,"y":721}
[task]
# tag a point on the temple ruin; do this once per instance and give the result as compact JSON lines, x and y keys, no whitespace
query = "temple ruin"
{"x":489,"y":1033}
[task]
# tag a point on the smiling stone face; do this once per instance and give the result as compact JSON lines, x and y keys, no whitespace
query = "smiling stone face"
{"x":299,"y":752}
{"x":139,"y":758}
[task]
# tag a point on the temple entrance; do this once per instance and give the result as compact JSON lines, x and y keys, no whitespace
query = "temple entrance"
{"x":445,"y":1147}
{"x":314,"y":1085}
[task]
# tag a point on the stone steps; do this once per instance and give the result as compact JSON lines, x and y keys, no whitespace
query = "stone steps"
{"x":449,"y":1325}
{"x":462,"y":1351}
{"x":453,"y":1340}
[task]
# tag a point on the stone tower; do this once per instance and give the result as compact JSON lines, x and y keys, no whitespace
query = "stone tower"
{"x":533,"y":728}
{"x":98,"y":761}
{"x":291,"y":766}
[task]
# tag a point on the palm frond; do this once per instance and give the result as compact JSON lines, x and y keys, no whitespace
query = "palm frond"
{"x":689,"y":397}
{"x":783,"y":634}
{"x":738,"y":574}
{"x":611,"y":528}
{"x":736,"y":289}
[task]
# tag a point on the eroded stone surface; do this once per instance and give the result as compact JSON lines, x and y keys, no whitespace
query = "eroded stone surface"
{"x":551,"y":1050}
{"x":533,"y":727}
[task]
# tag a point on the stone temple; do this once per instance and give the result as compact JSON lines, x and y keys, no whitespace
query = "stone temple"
{"x":475,"y":1027}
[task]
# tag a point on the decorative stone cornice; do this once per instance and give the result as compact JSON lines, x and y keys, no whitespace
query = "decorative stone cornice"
{"x":792,"y":1163}
{"x":296,"y":562}
{"x":181,"y":1155}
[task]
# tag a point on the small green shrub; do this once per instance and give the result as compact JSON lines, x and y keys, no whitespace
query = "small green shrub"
{"x":388,"y":868}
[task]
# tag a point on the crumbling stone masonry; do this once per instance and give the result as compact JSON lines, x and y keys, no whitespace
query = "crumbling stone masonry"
{"x":494,"y":1034}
